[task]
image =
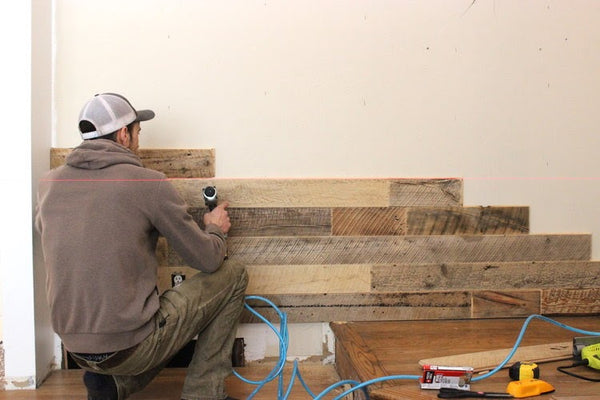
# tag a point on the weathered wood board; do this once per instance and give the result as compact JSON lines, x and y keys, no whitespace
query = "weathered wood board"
{"x":174,"y":163}
{"x":486,"y":276}
{"x":270,"y":193}
{"x":574,"y":301}
{"x":402,"y":249}
{"x":487,"y":360}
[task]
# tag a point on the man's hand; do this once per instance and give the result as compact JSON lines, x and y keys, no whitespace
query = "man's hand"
{"x":219,"y":216}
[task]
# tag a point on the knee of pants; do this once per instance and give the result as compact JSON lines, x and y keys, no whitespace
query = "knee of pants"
{"x":239,"y":272}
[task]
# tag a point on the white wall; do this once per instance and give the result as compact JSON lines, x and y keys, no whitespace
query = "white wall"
{"x":16,"y":248}
{"x":501,"y":93}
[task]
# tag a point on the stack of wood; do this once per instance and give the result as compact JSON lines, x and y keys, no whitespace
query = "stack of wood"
{"x":382,"y":249}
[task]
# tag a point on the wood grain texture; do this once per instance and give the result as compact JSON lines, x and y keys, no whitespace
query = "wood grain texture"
{"x":368,"y":221}
{"x":365,"y":307}
{"x":274,"y":221}
{"x":174,"y":163}
{"x":398,"y":346}
{"x":426,"y":192}
{"x":502,"y":304}
{"x":467,"y":220}
{"x":571,"y":301}
{"x":483,"y":361}
{"x":362,"y":362}
{"x":248,"y":193}
{"x":410,"y":249}
{"x":283,"y":279}
{"x":486,"y":275}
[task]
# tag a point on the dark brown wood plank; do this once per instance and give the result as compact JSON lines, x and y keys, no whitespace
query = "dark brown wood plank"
{"x":369,"y":221}
{"x":426,"y":192}
{"x":174,"y":163}
{"x":486,"y":275}
{"x":365,"y":307}
{"x":467,"y":220}
{"x":496,"y":304}
{"x":274,"y":221}
{"x":573,"y":301}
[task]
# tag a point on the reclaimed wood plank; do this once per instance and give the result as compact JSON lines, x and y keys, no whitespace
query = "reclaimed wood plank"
{"x":467,"y":220}
{"x":426,"y":192}
{"x":503,"y":304}
{"x":275,"y":193}
{"x":573,"y":301}
{"x":282,"y":221}
{"x":368,"y":221}
{"x":247,"y":193}
{"x":174,"y":163}
{"x":409,"y":249}
{"x":365,"y":307}
{"x":282,"y":279}
{"x":483,"y":361}
{"x":485,"y":275}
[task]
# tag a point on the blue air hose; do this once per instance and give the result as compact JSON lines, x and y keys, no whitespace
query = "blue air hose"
{"x":283,"y":337}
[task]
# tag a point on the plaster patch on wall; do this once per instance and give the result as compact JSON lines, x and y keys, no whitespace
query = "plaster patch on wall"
{"x":1,"y":366}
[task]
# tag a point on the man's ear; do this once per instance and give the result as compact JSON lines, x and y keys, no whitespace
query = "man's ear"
{"x":123,"y":136}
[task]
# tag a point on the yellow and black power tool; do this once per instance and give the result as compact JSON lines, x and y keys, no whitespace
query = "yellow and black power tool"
{"x":524,"y":370}
{"x":588,"y":355}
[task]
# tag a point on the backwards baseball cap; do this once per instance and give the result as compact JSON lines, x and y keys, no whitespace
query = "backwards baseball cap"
{"x":107,"y":113}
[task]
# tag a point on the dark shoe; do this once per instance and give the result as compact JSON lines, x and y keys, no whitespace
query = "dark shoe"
{"x":100,"y":387}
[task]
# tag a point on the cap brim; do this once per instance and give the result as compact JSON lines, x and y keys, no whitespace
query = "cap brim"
{"x":144,"y":115}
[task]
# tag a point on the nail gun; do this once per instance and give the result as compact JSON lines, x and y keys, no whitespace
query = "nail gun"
{"x":586,"y":351}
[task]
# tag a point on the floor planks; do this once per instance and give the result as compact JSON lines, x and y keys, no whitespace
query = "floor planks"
{"x":367,"y":350}
{"x":67,"y":384}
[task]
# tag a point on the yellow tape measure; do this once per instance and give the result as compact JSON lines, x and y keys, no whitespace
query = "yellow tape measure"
{"x":524,"y":370}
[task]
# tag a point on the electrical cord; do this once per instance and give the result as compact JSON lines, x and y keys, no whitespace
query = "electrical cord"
{"x":283,"y":337}
{"x":574,"y":365}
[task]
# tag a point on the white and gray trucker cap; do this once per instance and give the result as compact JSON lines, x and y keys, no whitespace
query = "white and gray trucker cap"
{"x":109,"y":112}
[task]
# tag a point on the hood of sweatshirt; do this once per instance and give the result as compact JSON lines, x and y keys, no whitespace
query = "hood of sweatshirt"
{"x":101,"y":153}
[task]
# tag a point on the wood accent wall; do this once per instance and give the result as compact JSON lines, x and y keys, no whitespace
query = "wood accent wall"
{"x":384,"y":249}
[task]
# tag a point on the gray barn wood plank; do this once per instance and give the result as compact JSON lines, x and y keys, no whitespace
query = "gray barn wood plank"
{"x":274,"y":221}
{"x":485,"y":275}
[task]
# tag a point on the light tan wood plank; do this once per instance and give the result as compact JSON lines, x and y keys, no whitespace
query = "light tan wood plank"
{"x":174,"y":163}
{"x":496,"y":304}
{"x":572,"y":301}
{"x":426,"y":192}
{"x":247,"y":193}
{"x":283,"y":279}
{"x":274,"y":221}
{"x":369,"y":221}
{"x":489,"y":359}
{"x":467,"y":220}
{"x":486,"y":275}
{"x":316,"y":279}
{"x":273,"y":193}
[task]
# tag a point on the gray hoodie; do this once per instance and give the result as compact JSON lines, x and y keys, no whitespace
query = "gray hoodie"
{"x":99,"y":217}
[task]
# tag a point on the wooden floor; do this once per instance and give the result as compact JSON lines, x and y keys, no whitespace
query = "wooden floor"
{"x":369,"y":350}
{"x":68,"y":385}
